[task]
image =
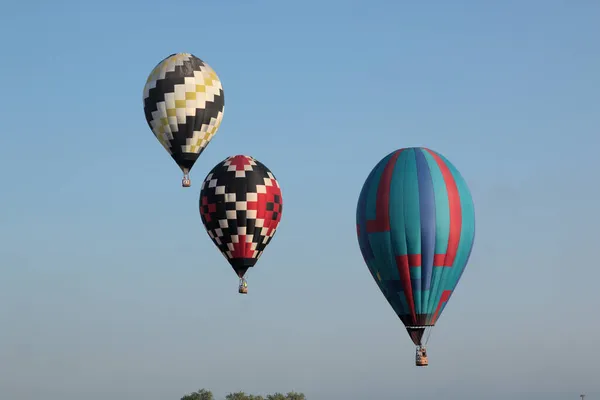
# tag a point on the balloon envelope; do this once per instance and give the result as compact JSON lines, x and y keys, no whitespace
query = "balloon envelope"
{"x":416,"y":226}
{"x":183,"y":104}
{"x":240,"y":207}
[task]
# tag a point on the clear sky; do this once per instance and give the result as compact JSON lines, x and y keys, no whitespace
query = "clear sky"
{"x":112,"y":289}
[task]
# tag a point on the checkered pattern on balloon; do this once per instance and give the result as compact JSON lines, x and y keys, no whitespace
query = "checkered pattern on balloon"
{"x":240,"y":207}
{"x":183,"y":104}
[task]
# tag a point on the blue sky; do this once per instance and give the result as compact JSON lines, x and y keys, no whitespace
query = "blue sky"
{"x":111,"y":287}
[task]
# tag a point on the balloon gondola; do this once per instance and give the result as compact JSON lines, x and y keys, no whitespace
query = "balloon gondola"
{"x":183,"y":104}
{"x":240,"y":207}
{"x":416,"y":226}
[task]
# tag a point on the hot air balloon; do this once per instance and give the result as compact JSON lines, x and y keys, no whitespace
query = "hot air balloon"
{"x":184,"y":103}
{"x":240,"y":207}
{"x":416,"y":226}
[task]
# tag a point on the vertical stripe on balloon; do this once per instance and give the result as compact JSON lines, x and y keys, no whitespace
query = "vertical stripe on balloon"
{"x":398,"y":233}
{"x":467,"y":234}
{"x":428,"y":231}
{"x":412,"y":222}
{"x":442,"y":232}
{"x":455,"y":223}
{"x":381,"y":223}
{"x":455,"y":210}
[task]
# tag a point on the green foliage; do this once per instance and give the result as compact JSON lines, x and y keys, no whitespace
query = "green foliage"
{"x":276,"y":396}
{"x":201,"y":394}
{"x":295,"y":396}
{"x":289,"y":396}
{"x":237,"y":396}
{"x":204,"y":394}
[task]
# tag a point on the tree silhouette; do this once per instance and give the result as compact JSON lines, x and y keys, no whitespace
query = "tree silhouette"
{"x":204,"y":394}
{"x":201,"y":394}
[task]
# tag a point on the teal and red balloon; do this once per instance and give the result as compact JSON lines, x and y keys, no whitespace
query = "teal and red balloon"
{"x":416,"y":225}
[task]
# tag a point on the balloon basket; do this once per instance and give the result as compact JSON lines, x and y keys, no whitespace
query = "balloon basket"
{"x":185,"y":182}
{"x":421,"y":359}
{"x":243,"y":289}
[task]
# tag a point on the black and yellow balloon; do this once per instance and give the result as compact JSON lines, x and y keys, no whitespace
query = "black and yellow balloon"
{"x":184,"y":104}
